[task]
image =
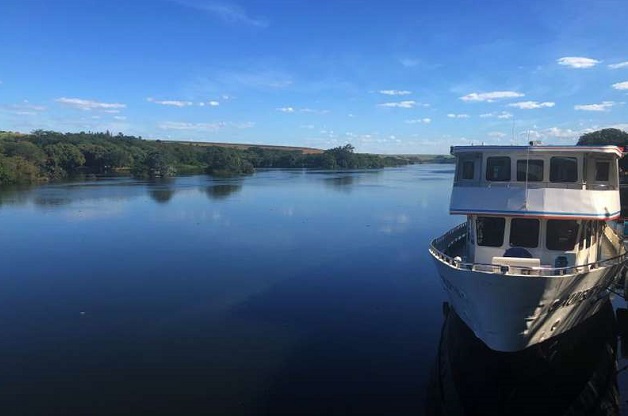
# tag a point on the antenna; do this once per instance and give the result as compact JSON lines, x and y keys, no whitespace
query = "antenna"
{"x":514,"y":138}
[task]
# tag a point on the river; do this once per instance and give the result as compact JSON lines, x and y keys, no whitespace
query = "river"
{"x":287,"y":292}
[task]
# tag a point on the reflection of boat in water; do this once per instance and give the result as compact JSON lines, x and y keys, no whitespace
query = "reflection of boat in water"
{"x":539,"y":249}
{"x":573,"y":373}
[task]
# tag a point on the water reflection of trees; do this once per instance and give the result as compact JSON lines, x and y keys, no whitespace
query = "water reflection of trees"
{"x":572,"y":373}
{"x":223,"y":190}
{"x":340,"y":181}
{"x":15,"y":195}
{"x":162,"y":195}
{"x":161,"y":190}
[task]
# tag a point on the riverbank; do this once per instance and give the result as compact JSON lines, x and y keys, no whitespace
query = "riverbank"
{"x":49,"y":156}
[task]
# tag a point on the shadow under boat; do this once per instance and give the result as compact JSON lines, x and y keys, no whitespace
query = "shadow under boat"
{"x":574,"y":373}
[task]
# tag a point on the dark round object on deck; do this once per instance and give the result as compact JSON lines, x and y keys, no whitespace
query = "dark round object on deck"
{"x":518,"y":252}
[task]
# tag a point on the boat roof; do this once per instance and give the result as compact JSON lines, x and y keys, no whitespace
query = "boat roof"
{"x":538,"y":149}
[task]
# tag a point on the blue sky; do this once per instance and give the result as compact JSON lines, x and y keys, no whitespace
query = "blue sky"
{"x":387,"y":76}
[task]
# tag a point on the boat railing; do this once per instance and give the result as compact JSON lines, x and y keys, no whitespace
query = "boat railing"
{"x":442,"y":247}
{"x":597,"y":186}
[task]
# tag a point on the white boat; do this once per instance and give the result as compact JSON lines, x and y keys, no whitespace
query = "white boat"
{"x":540,"y":246}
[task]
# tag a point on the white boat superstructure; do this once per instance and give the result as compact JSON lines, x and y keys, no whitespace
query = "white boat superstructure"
{"x":539,"y":248}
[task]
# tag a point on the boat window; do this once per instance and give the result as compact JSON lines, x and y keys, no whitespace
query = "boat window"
{"x":602,"y":171}
{"x":468,"y":169}
{"x":498,"y":168}
{"x":534,"y":169}
{"x":524,"y":232}
{"x":561,"y":234}
{"x":563,"y":169}
{"x":490,"y":231}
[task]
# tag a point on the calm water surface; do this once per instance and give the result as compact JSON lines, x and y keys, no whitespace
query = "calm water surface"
{"x":288,"y":292}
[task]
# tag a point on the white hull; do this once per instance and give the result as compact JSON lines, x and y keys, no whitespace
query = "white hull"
{"x":513,"y":312}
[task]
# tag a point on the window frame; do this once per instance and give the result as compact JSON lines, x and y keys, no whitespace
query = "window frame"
{"x":479,"y":234}
{"x":526,"y":227}
{"x":574,"y":238}
{"x":489,"y":159}
{"x":553,"y":173}
{"x":526,"y":170}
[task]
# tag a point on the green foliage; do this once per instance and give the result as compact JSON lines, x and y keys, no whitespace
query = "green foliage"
{"x":50,"y":155}
{"x":604,"y":137}
{"x":222,"y":161}
{"x":64,"y":158}
{"x":16,"y":169}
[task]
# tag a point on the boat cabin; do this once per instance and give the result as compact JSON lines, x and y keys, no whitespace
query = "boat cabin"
{"x":536,"y":206}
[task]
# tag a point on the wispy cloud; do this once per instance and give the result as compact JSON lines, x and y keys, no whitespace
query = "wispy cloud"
{"x":619,"y":65}
{"x":453,"y":115}
{"x":491,"y":96}
{"x":399,"y":104}
{"x":205,"y":127}
{"x":395,"y":92}
{"x":500,"y":115}
{"x":419,"y":121}
{"x":563,"y":133}
{"x":235,"y":80}
{"x":87,"y":105}
{"x":577,"y":62}
{"x":497,"y":134}
{"x":531,"y":105}
{"x":621,"y":85}
{"x":409,"y":62}
{"x":226,"y":11}
{"x":603,"y":106}
{"x":301,"y":110}
{"x":25,"y":108}
{"x":173,"y":103}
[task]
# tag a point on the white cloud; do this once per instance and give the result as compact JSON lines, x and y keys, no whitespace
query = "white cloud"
{"x":497,"y":134}
{"x":227,"y":12}
{"x":453,"y":115}
{"x":399,"y":104}
{"x":82,"y":104}
{"x":395,"y":92}
{"x":577,"y":62}
{"x":619,"y":65}
{"x":286,"y":109}
{"x":561,"y":133}
{"x":173,"y":103}
{"x":214,"y":103}
{"x":491,"y":96}
{"x":419,"y":121}
{"x":500,"y":115}
{"x":531,"y":105}
{"x":621,"y":85}
{"x":603,"y":106}
{"x":119,"y":117}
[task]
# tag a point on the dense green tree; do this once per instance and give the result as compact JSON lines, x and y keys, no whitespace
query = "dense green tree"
{"x":63,"y":158}
{"x":604,"y":137}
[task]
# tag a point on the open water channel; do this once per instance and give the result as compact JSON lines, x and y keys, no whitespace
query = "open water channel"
{"x":288,"y":292}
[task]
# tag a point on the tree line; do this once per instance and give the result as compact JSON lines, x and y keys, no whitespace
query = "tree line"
{"x":48,"y":155}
